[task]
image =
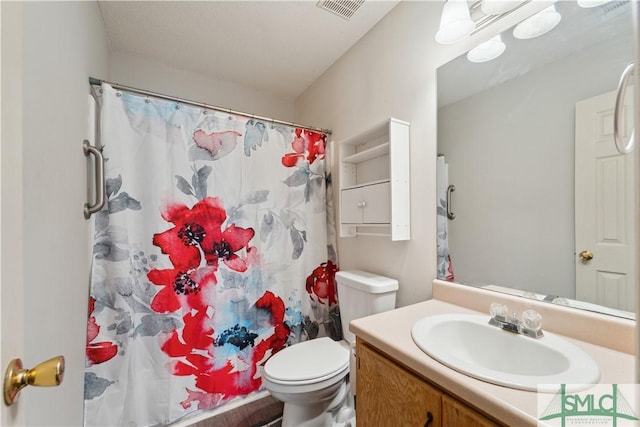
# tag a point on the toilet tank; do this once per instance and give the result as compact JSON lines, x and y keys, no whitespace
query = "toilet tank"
{"x":361,"y":294}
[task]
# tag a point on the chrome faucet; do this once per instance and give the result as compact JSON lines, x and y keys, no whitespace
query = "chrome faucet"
{"x":530,"y":325}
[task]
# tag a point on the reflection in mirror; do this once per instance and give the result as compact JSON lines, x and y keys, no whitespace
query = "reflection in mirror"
{"x":543,"y":202}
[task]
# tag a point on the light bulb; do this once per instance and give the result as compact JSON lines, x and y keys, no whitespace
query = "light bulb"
{"x":538,"y":24}
{"x":455,"y":22}
{"x":487,"y":51}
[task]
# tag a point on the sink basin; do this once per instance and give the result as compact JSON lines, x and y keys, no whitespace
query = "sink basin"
{"x":468,"y":344}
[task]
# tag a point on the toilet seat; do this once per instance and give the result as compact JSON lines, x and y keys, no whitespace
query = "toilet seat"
{"x":308,"y":363}
{"x":312,"y":378}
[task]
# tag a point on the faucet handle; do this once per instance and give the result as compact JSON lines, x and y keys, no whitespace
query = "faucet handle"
{"x":532,"y":320}
{"x":498,"y":309}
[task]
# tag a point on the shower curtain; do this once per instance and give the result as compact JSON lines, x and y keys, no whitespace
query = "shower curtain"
{"x":445,"y":268}
{"x":215,"y":250}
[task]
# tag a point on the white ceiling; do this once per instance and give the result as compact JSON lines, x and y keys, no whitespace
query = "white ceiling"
{"x":277,"y":46}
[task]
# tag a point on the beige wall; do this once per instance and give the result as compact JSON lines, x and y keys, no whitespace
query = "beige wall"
{"x":63,"y":44}
{"x":150,"y":75}
{"x":391,"y":72}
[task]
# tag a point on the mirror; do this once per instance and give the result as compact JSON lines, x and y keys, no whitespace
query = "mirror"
{"x":526,"y":201}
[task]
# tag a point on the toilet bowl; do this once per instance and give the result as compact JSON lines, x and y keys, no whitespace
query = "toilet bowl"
{"x":310,"y":378}
{"x":313,"y":378}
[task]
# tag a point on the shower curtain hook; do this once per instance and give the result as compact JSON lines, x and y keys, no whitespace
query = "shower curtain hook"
{"x":177,"y":101}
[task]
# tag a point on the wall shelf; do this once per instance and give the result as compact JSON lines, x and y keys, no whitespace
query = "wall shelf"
{"x":371,"y":153}
{"x":365,"y":184}
{"x":374,"y":182}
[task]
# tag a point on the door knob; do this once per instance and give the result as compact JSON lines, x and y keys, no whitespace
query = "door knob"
{"x":47,"y":374}
{"x":585,"y":256}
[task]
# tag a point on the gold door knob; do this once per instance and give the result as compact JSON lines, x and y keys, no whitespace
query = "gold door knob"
{"x":585,"y":256}
{"x":47,"y":374}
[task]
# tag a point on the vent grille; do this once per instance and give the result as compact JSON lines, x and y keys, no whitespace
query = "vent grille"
{"x":608,"y":7}
{"x":612,"y":10}
{"x":343,"y":8}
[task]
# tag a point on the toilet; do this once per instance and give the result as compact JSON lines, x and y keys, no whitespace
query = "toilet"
{"x":316,"y":379}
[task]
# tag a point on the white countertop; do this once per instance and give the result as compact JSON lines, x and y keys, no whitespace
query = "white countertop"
{"x":390,"y":332}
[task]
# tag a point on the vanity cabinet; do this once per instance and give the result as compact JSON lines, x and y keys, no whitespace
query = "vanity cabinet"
{"x":456,"y":413}
{"x":374,"y":182}
{"x":388,"y":394}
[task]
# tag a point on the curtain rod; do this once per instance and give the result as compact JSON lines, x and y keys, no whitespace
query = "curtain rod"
{"x":94,"y":81}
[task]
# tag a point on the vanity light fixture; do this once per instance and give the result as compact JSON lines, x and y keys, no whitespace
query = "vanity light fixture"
{"x":461,"y":18}
{"x":487,"y":51}
{"x":591,"y":3}
{"x":537,"y":25}
{"x":455,"y":22}
{"x":498,"y":7}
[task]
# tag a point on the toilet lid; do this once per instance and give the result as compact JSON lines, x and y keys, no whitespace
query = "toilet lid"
{"x":308,"y":360}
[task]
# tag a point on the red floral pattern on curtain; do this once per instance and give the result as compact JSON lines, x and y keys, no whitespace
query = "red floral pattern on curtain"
{"x":97,"y":352}
{"x":210,"y":256}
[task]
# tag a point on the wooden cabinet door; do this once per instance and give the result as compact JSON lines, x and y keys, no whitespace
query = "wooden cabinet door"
{"x":455,"y":413}
{"x":389,"y":395}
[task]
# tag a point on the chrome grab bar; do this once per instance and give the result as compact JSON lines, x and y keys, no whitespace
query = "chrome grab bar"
{"x":450,"y":189}
{"x":623,"y":147}
{"x":99,"y":182}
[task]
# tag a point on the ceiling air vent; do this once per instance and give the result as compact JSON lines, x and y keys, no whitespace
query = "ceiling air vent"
{"x":608,"y":7}
{"x":343,"y":8}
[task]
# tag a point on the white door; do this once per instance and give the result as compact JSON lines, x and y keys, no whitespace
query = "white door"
{"x":11,"y":303}
{"x":605,"y":221}
{"x":44,"y":237}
